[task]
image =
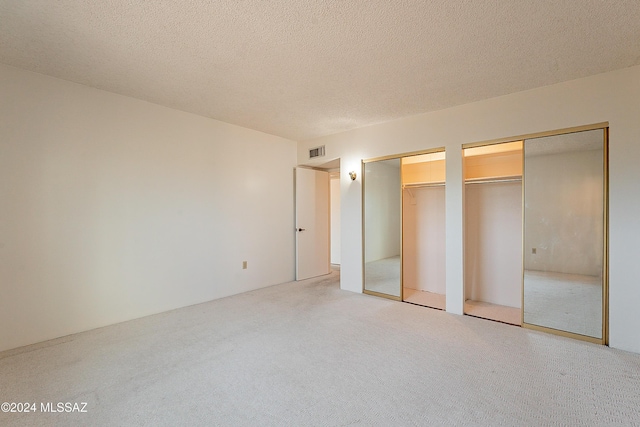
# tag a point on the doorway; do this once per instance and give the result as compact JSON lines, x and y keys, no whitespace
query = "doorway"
{"x":317,"y":214}
{"x":312,"y":223}
{"x":334,"y":195}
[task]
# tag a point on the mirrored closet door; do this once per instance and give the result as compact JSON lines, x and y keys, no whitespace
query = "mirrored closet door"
{"x":423,"y":229}
{"x":382,"y":217}
{"x":565,"y":233}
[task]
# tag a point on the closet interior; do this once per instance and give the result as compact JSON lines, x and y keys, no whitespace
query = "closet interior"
{"x":493,"y":232}
{"x":423,"y":229}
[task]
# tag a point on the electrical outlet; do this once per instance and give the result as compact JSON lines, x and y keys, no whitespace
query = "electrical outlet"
{"x":244,"y":265}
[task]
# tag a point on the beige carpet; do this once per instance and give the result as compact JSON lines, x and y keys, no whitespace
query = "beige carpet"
{"x":567,"y":302}
{"x":309,"y":354}
{"x":383,"y":276}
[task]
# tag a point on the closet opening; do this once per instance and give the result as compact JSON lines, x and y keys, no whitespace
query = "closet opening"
{"x":493,"y":232}
{"x":423,"y":229}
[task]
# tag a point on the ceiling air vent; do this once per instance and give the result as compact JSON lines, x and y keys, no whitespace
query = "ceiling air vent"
{"x":316,"y":152}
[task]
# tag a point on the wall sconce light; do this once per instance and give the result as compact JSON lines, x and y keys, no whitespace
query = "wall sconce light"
{"x":352,"y":175}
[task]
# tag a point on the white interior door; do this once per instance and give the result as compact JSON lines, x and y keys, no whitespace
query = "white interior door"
{"x":312,"y":223}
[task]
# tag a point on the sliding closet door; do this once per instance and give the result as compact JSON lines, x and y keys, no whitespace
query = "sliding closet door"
{"x":382,"y":228}
{"x":565,"y":233}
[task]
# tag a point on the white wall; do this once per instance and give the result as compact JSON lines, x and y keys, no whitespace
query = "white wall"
{"x":334,"y":191}
{"x":113,"y":208}
{"x":612,"y":97}
{"x":493,"y":243}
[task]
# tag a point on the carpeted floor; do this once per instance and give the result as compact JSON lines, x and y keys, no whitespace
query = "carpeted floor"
{"x":308,"y":353}
{"x":567,"y":302}
{"x":383,"y":276}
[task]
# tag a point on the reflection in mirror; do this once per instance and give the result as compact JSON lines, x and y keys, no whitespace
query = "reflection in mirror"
{"x":382,"y":229}
{"x":564,"y":232}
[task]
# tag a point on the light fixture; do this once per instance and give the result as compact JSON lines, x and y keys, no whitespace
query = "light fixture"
{"x":352,"y":175}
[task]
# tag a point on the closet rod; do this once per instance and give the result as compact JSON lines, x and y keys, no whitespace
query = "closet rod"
{"x":492,"y":180}
{"x":431,"y":184}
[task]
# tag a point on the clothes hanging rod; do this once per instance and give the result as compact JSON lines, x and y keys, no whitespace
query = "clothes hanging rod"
{"x":493,"y":180}
{"x":423,"y":184}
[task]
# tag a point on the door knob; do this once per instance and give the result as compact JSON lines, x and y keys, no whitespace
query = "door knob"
{"x":301,"y":229}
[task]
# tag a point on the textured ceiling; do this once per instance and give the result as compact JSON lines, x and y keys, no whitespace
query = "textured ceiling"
{"x":302,"y":69}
